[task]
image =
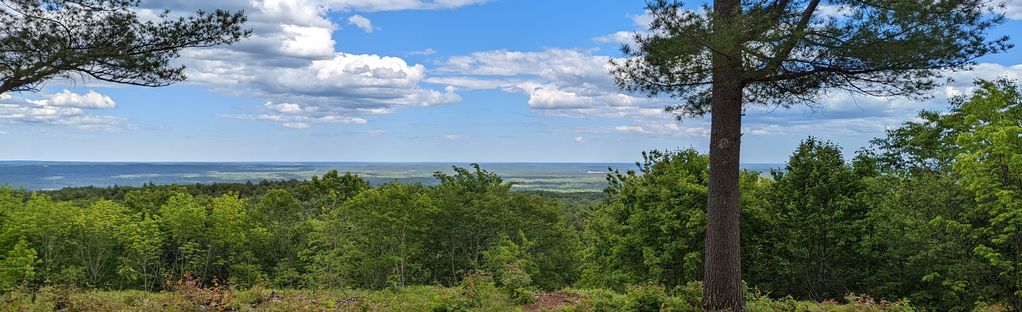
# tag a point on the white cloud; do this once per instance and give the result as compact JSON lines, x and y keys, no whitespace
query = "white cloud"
{"x":306,"y":41}
{"x":291,"y":58}
{"x":1012,"y":9}
{"x":580,"y":139}
{"x":559,"y":82}
{"x":551,"y":98}
{"x":350,"y":84}
{"x":362,"y":76}
{"x":642,"y":21}
{"x":361,"y":22}
{"x":989,"y":71}
{"x":61,"y":109}
{"x":620,"y":37}
{"x":285,"y":108}
{"x":66,"y":98}
{"x":832,"y":10}
{"x":293,"y":116}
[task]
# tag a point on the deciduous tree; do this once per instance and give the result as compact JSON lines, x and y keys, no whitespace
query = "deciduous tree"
{"x":990,"y":164}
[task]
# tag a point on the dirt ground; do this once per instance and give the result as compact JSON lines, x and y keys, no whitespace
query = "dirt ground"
{"x":551,"y":301}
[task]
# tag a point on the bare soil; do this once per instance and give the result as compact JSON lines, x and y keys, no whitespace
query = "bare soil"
{"x":553,"y":300}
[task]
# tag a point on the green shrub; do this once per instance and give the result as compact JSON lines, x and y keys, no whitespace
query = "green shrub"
{"x":687,"y":297}
{"x":513,"y":276}
{"x":523,"y":296}
{"x":599,"y":300}
{"x":645,"y":298}
{"x":18,"y":267}
{"x":447,"y":302}
{"x":476,"y":291}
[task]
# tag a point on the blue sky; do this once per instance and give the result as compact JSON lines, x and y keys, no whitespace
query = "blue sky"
{"x":420,"y":80}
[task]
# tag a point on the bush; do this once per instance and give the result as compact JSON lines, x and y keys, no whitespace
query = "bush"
{"x":601,"y":300}
{"x":645,"y":298}
{"x":447,"y":302}
{"x":523,"y":296}
{"x":513,"y":276}
{"x":687,"y":297}
{"x":18,"y":267}
{"x":215,"y":298}
{"x":476,"y":291}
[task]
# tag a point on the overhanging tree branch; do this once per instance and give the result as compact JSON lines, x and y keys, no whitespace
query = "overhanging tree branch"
{"x":101,"y":39}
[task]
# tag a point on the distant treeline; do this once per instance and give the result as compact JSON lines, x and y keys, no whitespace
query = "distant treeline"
{"x":932,"y":213}
{"x":253,"y":189}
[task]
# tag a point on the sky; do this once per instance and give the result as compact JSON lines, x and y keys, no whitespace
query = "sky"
{"x":423,"y":80}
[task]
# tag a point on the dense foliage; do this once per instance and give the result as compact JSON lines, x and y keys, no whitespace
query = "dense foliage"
{"x":931,"y":213}
{"x":334,"y":231}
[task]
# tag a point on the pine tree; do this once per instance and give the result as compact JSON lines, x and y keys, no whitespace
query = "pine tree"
{"x":736,"y":53}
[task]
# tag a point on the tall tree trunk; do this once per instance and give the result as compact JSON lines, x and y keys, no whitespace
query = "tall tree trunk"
{"x":723,"y":267}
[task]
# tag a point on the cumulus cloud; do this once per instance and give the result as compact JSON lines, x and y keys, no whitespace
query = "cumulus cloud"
{"x":559,"y":82}
{"x":66,"y":98}
{"x":361,"y":22}
{"x":65,"y":108}
{"x":362,"y":78}
{"x":291,"y":59}
{"x":552,"y":98}
{"x":303,"y":41}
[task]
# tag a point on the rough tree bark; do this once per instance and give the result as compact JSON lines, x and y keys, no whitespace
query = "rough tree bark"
{"x":722,"y":279}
